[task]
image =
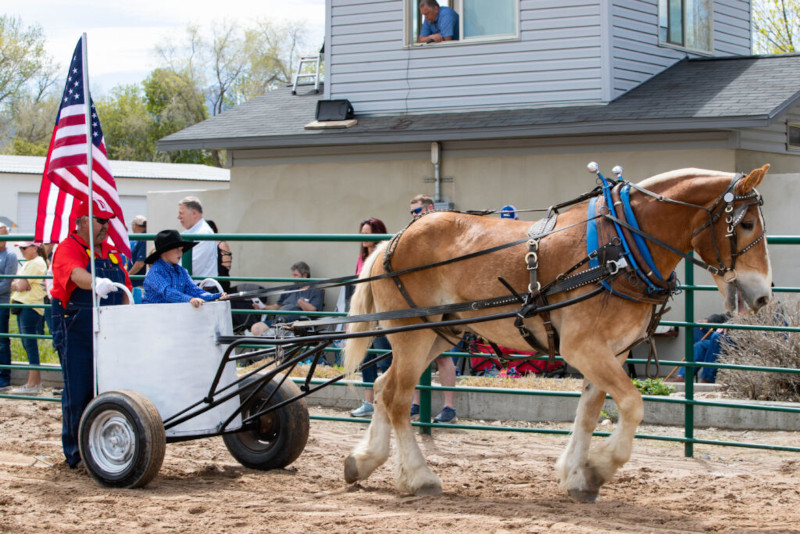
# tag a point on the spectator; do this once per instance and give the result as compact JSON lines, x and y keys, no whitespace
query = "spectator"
{"x":370,"y":374}
{"x":167,"y":280}
{"x":73,"y":335}
{"x":706,"y":350}
{"x":204,"y":255}
{"x":8,"y":266}
{"x":447,"y":368}
{"x":138,"y":255}
{"x":304,"y":298}
{"x":440,"y":24}
{"x":30,"y":320}
{"x":224,"y":259}
{"x":508,"y":212}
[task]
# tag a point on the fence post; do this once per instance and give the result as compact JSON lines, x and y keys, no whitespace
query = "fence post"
{"x":688,"y":381}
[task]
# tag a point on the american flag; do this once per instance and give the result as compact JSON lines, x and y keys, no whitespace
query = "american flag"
{"x":65,"y":182}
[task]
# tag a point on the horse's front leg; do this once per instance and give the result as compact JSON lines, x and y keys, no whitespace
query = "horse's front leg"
{"x":579,"y":482}
{"x":581,"y":471}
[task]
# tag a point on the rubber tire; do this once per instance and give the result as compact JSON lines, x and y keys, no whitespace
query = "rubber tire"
{"x":131,"y":416}
{"x":282,"y":434}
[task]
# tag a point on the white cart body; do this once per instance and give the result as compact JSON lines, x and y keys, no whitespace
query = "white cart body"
{"x":169,"y":354}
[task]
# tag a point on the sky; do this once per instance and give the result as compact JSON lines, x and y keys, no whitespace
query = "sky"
{"x":121,"y":34}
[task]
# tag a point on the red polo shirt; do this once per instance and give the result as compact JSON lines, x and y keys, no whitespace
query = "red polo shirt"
{"x":72,"y":253}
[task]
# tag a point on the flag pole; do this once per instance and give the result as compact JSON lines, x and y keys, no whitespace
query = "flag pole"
{"x":88,"y":113}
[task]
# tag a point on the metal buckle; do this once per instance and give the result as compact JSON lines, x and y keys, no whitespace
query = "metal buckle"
{"x":615,"y":265}
{"x":532,"y":264}
{"x":729,"y":279}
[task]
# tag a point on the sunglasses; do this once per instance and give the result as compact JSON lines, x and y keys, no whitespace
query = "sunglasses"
{"x":416,"y":211}
{"x":100,"y":220}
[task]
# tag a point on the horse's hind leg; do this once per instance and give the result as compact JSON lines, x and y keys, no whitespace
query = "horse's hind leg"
{"x":373,"y":449}
{"x":582,"y":473}
{"x":413,"y":351}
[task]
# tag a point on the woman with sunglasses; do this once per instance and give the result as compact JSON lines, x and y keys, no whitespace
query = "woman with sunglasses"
{"x":370,"y":374}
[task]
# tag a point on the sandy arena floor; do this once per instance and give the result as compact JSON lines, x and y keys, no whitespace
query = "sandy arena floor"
{"x":493,"y":483}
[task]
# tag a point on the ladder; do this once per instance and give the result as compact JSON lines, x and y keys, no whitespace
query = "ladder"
{"x":314,"y":62}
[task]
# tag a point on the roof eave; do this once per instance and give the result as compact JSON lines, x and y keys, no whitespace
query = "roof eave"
{"x":457,"y":134}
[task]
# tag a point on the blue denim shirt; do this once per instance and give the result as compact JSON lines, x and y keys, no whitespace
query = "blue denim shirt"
{"x":171,"y":283}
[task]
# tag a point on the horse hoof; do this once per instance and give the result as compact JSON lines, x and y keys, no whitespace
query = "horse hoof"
{"x":428,"y":489}
{"x":350,"y":470}
{"x":583,"y":495}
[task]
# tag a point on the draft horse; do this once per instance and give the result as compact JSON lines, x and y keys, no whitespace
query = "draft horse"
{"x":627,"y":234}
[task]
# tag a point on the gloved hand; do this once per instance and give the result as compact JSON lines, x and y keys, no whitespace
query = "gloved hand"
{"x":104,"y":286}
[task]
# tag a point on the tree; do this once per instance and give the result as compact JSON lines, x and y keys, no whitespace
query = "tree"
{"x":32,"y":120}
{"x":174,"y":102}
{"x":26,"y":75}
{"x":776,"y":26}
{"x":127,"y":125}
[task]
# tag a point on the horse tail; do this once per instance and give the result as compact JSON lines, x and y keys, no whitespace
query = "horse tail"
{"x":362,"y":302}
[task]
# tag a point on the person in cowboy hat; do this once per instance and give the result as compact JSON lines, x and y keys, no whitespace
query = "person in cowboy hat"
{"x":167,"y":280}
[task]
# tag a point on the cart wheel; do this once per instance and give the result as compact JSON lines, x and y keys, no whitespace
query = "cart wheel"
{"x":122,"y":440}
{"x":279,"y":437}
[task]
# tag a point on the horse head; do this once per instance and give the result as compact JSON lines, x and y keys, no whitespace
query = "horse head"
{"x":733,"y":238}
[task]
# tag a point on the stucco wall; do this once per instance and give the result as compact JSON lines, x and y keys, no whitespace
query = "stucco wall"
{"x":319,"y":195}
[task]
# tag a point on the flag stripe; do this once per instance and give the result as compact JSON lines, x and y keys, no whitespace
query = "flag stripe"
{"x":65,"y":180}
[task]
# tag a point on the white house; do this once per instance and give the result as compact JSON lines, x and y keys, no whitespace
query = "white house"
{"x":532,"y":92}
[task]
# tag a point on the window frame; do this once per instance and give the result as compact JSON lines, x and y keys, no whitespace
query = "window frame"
{"x":663,"y":5}
{"x":790,"y":147}
{"x":411,"y":11}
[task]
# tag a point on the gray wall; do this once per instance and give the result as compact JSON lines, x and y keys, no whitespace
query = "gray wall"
{"x":576,"y":51}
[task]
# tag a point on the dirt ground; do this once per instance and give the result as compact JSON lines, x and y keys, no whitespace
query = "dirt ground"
{"x":493,"y":483}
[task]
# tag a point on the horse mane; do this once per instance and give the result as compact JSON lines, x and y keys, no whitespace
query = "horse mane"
{"x":682,"y":174}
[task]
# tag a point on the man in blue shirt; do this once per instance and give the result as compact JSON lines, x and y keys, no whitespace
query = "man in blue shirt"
{"x":440,"y":24}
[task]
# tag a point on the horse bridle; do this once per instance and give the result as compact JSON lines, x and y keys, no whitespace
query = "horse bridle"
{"x":725,"y":204}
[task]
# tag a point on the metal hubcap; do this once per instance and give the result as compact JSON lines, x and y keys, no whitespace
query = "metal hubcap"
{"x":112,"y":442}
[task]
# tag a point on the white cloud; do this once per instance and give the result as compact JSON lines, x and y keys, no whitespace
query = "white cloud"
{"x":121,"y":34}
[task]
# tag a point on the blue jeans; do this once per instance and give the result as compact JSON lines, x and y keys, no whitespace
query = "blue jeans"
{"x":5,"y":348}
{"x":30,"y":322}
{"x":370,"y":374}
{"x":705,"y":351}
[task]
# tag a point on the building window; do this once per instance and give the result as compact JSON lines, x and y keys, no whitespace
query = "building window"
{"x":793,"y":137}
{"x":478,"y":20}
{"x":687,"y":23}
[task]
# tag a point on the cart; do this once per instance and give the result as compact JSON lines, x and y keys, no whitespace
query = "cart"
{"x":168,"y":372}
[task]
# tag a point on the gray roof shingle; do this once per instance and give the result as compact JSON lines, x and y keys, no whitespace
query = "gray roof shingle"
{"x":693,"y":94}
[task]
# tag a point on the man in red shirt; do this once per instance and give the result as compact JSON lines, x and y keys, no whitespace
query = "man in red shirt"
{"x":72,"y":311}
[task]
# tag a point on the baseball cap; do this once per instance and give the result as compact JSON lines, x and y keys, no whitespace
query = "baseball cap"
{"x":101,"y":209}
{"x":508,"y":212}
{"x":27,"y":244}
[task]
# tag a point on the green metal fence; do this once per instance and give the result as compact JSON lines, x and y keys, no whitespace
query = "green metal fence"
{"x":425,"y":423}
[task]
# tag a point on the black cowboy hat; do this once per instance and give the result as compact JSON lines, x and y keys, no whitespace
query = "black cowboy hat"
{"x":167,"y":240}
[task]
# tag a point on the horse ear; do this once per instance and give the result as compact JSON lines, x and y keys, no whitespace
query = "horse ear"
{"x":752,"y":180}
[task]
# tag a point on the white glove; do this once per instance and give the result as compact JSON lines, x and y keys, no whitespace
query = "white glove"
{"x":104,"y":286}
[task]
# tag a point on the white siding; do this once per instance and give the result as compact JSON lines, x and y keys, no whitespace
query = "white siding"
{"x":771,"y":138}
{"x":637,"y":55}
{"x":556,"y":60}
{"x":563,"y":55}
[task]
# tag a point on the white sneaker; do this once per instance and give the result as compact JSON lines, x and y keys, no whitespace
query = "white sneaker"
{"x":365,"y":410}
{"x":27,"y":390}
